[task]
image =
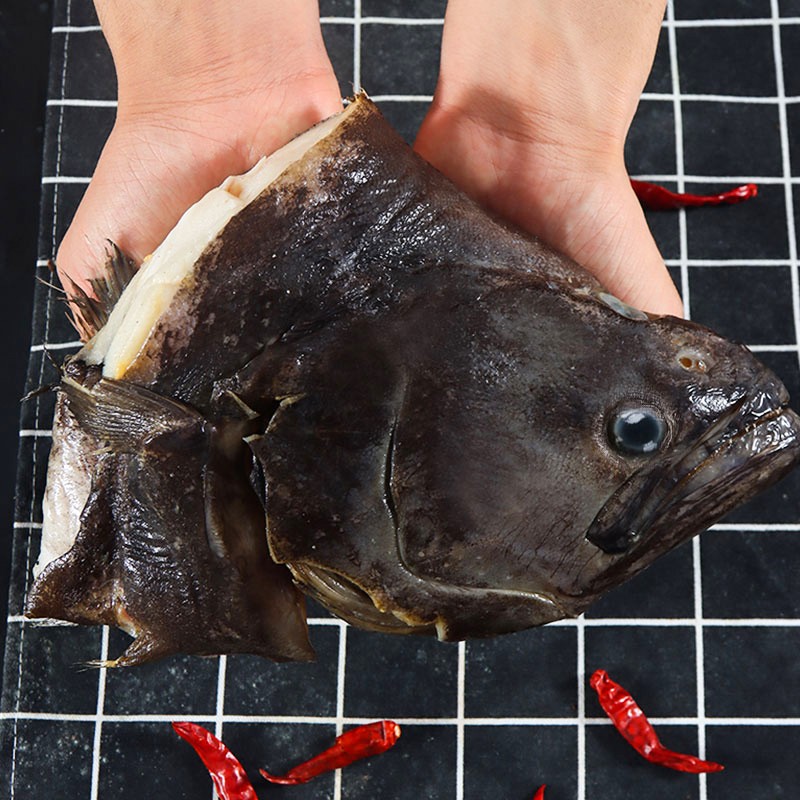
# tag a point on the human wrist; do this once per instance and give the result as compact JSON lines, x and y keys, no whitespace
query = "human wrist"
{"x":173,"y":55}
{"x":510,"y":138}
{"x":547,"y":72}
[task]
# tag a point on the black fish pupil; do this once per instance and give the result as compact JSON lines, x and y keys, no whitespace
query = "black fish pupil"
{"x":637,"y":431}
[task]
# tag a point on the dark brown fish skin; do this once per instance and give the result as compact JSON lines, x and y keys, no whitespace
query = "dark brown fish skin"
{"x":171,"y":545}
{"x":346,"y":227}
{"x":432,"y":393}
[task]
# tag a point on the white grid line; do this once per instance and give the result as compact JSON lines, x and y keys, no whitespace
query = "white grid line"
{"x":34,"y":459}
{"x":679,"y":161}
{"x":53,"y":247}
{"x":787,"y":168}
{"x":461,"y":680}
{"x":75,"y":29}
{"x":469,"y":722}
{"x":357,"y":21}
{"x":222,"y":666}
{"x":581,"y":707}
{"x":37,"y":348}
{"x":48,"y":308}
{"x":78,"y":103}
{"x":89,"y":102}
{"x":404,"y":21}
{"x":773,"y":348}
{"x":98,"y":726}
{"x":686,"y":297}
{"x":730,"y":262}
{"x":219,"y":719}
{"x":756,"y":526}
{"x":776,"y":180}
{"x":699,"y":659}
{"x":402,"y":98}
{"x":749,"y":99}
{"x":340,"y":696}
{"x":744,"y":22}
{"x":60,"y":180}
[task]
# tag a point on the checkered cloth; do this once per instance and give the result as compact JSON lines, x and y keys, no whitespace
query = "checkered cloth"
{"x":707,"y":639}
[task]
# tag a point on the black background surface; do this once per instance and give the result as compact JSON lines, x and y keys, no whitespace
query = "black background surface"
{"x":24,"y":57}
{"x":707,"y":638}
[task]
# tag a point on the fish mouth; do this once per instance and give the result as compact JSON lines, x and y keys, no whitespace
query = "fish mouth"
{"x":753,"y":444}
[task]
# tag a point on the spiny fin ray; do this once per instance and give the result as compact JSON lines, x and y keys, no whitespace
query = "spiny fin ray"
{"x":90,"y":312}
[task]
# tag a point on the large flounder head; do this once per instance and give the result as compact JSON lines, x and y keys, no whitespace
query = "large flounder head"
{"x":497,"y":452}
{"x":338,"y":370}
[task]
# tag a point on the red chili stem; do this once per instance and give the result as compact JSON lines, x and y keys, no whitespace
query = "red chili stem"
{"x":657,"y":198}
{"x":632,"y":723}
{"x":230,"y":779}
{"x":540,"y":792}
{"x":352,"y":745}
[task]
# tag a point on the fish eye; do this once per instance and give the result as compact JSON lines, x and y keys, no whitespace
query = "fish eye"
{"x":636,"y":431}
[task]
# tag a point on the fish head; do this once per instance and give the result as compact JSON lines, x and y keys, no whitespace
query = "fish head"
{"x":527,"y":449}
{"x":698,"y":427}
{"x":339,"y":373}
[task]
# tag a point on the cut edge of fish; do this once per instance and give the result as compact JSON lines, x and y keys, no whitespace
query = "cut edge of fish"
{"x":171,"y":264}
{"x":152,"y":287}
{"x":69,"y":483}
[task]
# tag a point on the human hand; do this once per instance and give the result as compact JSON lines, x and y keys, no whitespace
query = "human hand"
{"x":205,"y":89}
{"x":530,"y":117}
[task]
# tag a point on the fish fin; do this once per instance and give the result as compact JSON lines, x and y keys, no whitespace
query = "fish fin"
{"x":183,"y":594}
{"x":142,"y":649}
{"x":143,"y":559}
{"x":90,"y":312}
{"x":123,"y":415}
{"x":274,"y":608}
{"x":324,"y":471}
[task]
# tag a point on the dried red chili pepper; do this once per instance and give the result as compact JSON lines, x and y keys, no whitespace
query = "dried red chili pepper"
{"x":230,"y":779}
{"x":352,"y":745}
{"x":540,"y":792}
{"x":632,"y":723}
{"x":657,"y":198}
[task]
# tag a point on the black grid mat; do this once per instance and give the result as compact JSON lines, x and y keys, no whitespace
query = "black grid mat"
{"x":708,"y":638}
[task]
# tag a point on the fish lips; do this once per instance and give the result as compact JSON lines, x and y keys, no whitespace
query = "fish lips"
{"x":750,"y":446}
